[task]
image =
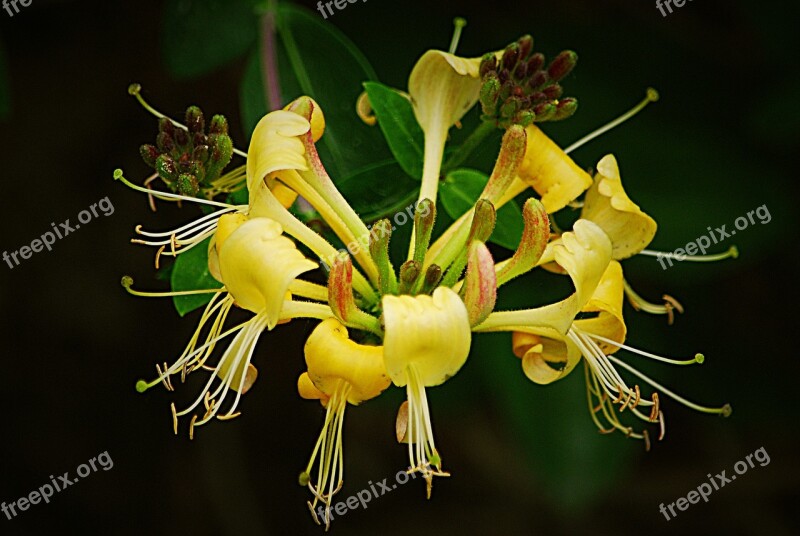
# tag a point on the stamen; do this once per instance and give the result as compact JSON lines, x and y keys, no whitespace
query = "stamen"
{"x":725,"y":410}
{"x":640,"y":304}
{"x":698,"y":358}
{"x":127,"y":282}
{"x":651,"y":96}
{"x":733,"y":252}
{"x":459,"y":23}
{"x":136,"y":91}
{"x":166,"y":196}
{"x":174,"y":418}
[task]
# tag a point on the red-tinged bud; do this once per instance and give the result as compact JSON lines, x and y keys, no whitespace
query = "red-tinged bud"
{"x":165,"y":142}
{"x":409,"y":273}
{"x":525,"y":46}
{"x":553,"y":92}
{"x":535,"y":236}
{"x":562,"y":65}
{"x":149,"y":154}
{"x":182,"y":139}
{"x":544,"y":111}
{"x":488,"y":65}
{"x":535,"y":63}
{"x":538,"y":80}
{"x":510,"y":57}
{"x":166,"y":126}
{"x":566,"y":107}
{"x":341,"y":300}
{"x":480,"y":284}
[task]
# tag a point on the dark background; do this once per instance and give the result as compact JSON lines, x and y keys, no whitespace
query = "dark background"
{"x":525,"y":459}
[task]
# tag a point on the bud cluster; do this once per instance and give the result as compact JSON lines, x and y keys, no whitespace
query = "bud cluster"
{"x":188,"y":160}
{"x":519,"y":89}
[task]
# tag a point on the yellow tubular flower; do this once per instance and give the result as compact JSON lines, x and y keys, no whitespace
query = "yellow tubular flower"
{"x":584,"y":253}
{"x":427,"y":341}
{"x":553,"y":174}
{"x":607,"y":204}
{"x":258,"y":264}
{"x":275,"y":146}
{"x":339,"y":371}
{"x":443,"y":87}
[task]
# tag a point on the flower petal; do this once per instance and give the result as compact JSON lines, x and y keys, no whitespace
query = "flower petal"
{"x":443,"y":87}
{"x":551,"y":172}
{"x":332,"y":357}
{"x":430,"y":332}
{"x":257,"y":265}
{"x":607,"y":204}
{"x":276,"y":146}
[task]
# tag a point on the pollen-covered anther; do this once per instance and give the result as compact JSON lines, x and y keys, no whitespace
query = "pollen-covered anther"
{"x":654,"y":412}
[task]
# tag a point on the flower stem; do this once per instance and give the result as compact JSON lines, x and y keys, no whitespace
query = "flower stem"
{"x":468,"y":147}
{"x":269,"y":58}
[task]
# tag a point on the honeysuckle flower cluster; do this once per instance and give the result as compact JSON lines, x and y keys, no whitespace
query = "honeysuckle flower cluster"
{"x":411,"y":325}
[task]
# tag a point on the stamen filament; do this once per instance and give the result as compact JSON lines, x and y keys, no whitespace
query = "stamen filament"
{"x":698,"y":358}
{"x":118,"y":175}
{"x":459,"y":23}
{"x":651,"y":96}
{"x":725,"y":410}
{"x":127,"y":282}
{"x":733,"y":252}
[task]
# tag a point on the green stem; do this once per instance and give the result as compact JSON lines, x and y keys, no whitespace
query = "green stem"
{"x":468,"y":147}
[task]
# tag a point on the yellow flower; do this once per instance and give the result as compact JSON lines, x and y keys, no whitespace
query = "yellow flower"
{"x":584,"y":253}
{"x":607,"y":205}
{"x":427,"y":341}
{"x":258,"y":266}
{"x":443,"y":87}
{"x":339,"y":371}
{"x":551,"y":172}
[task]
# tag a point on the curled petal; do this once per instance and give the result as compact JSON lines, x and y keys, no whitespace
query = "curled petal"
{"x":607,"y":204}
{"x":332,"y":357}
{"x":276,"y":146}
{"x":257,"y":265}
{"x":432,"y":333}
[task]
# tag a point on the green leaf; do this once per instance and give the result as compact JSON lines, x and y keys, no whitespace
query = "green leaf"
{"x":459,"y":192}
{"x":316,"y":59}
{"x":199,"y":36}
{"x":399,"y":126}
{"x":379,"y":190}
{"x":5,"y":90}
{"x":191,"y":273}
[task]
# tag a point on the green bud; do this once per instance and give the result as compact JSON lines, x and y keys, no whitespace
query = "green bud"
{"x":166,"y":168}
{"x":187,"y":185}
{"x":219,"y":125}
{"x":195,"y":121}
{"x":566,"y":107}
